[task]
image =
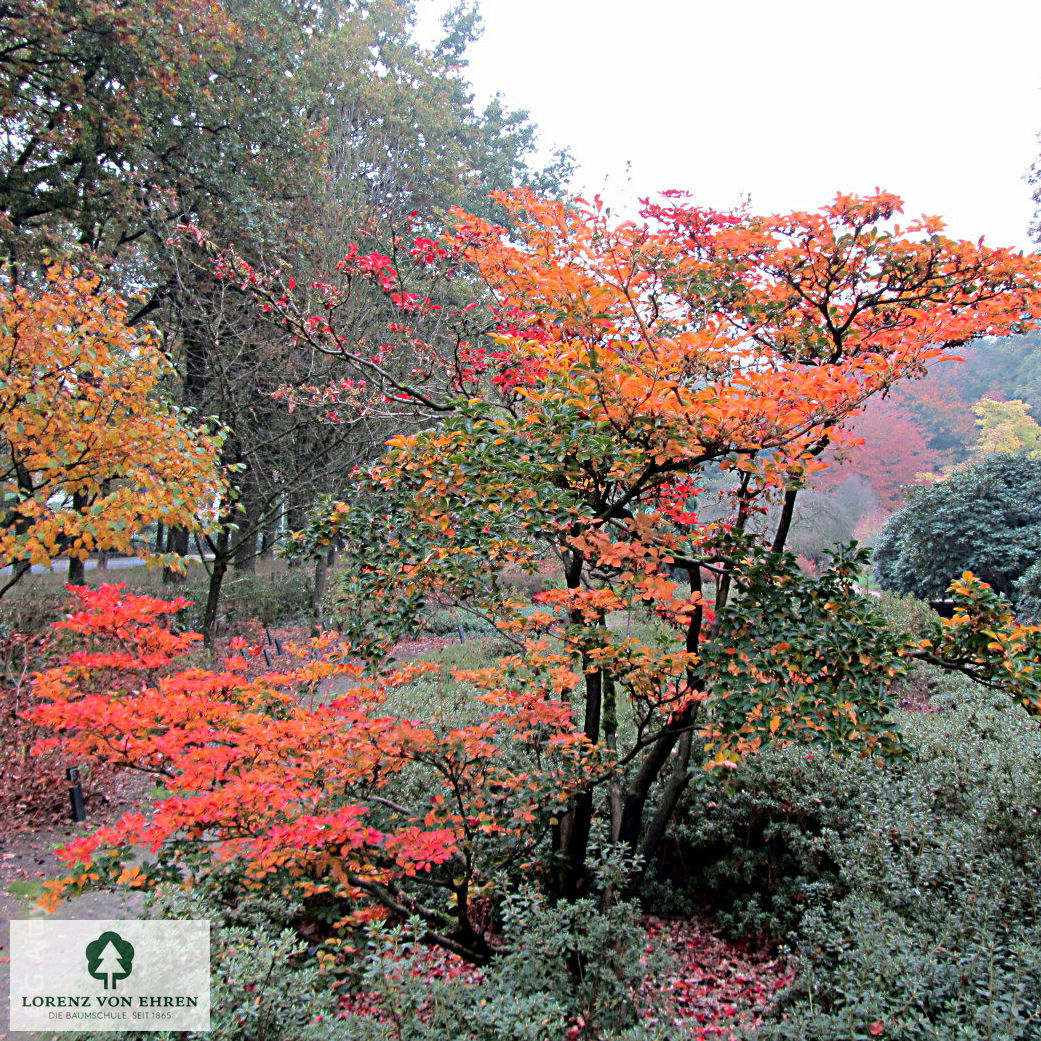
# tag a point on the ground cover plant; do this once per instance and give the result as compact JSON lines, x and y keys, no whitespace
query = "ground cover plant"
{"x":626,"y":364}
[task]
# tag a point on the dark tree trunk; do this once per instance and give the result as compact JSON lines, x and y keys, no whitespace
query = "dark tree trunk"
{"x":267,"y":539}
{"x":244,"y":555}
{"x":219,"y":568}
{"x":572,"y":836}
{"x":176,"y":542}
{"x":77,"y":569}
{"x":323,"y":565}
{"x":244,"y":558}
{"x":209,"y":617}
{"x":785,"y":523}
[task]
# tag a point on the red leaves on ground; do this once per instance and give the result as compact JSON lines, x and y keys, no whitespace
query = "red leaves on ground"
{"x":716,"y":985}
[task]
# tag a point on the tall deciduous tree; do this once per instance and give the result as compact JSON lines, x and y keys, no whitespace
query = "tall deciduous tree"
{"x":893,"y":454}
{"x":1006,"y":427}
{"x":81,"y":85}
{"x":632,"y":361}
{"x":91,"y":453}
{"x":278,"y":126}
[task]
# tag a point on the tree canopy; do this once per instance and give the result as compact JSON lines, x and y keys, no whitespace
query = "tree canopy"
{"x":279,"y":127}
{"x":626,"y":364}
{"x":1007,"y":427}
{"x":630,"y":365}
{"x":91,"y":453}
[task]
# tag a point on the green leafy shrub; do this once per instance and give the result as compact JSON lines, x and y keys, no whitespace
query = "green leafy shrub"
{"x":1028,"y":593}
{"x":573,"y":967}
{"x":565,"y":967}
{"x":276,"y":597}
{"x":983,"y":518}
{"x":934,"y":931}
{"x":756,"y":848}
{"x":905,"y":614}
{"x":449,"y":621}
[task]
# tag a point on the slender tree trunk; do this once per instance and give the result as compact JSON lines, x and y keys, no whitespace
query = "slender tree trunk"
{"x":673,"y":750}
{"x":790,"y":495}
{"x":573,"y":833}
{"x":19,"y":569}
{"x":639,"y":788}
{"x":785,"y":523}
{"x":744,"y":506}
{"x":679,"y":778}
{"x":176,"y":542}
{"x":322,"y":566}
{"x":219,"y":568}
{"x":77,"y":571}
{"x":244,"y":555}
{"x":267,"y":539}
{"x":611,"y":740}
{"x":209,"y":617}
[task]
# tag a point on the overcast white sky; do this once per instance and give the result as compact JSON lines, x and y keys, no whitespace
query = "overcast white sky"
{"x":788,"y":102}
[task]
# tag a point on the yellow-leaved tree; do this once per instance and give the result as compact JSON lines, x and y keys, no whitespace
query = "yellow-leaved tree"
{"x":1006,"y":427}
{"x":90,"y":451}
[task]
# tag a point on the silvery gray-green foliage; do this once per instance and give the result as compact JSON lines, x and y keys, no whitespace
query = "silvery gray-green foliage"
{"x":264,"y":985}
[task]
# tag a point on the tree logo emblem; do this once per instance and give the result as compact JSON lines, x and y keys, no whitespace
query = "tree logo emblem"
{"x":110,"y":958}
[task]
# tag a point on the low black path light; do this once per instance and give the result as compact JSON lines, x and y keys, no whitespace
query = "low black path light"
{"x":72,"y":775}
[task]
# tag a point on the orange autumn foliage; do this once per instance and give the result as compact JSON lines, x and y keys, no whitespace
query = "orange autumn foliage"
{"x":287,"y":777}
{"x":711,"y":334}
{"x":634,"y":364}
{"x":91,"y":453}
{"x":645,"y":390}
